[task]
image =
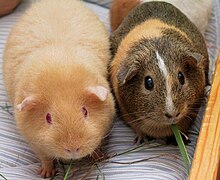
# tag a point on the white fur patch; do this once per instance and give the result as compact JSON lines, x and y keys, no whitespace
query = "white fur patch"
{"x":163,"y":69}
{"x":161,"y":65}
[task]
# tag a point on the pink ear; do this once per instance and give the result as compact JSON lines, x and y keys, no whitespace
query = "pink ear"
{"x":27,"y":104}
{"x":99,"y":91}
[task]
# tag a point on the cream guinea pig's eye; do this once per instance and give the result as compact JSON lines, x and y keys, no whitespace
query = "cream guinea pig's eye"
{"x":181,"y":78}
{"x":85,"y":112}
{"x":48,"y":118}
{"x":148,"y":82}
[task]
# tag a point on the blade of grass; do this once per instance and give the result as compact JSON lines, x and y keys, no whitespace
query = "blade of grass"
{"x":97,"y":178}
{"x":181,"y":145}
{"x":129,"y":150}
{"x":100,"y":173}
{"x":134,"y":162}
{"x":136,"y":149}
{"x":68,"y":170}
{"x":3,"y":177}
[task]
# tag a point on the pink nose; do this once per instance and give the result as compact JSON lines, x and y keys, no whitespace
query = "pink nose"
{"x":73,"y":150}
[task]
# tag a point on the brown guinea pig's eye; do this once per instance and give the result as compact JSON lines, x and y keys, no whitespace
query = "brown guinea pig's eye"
{"x":181,"y":78}
{"x":148,"y":82}
{"x":48,"y":118}
{"x":85,"y":111}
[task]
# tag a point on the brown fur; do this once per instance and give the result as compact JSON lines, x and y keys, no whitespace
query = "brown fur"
{"x":53,"y":62}
{"x":119,"y":10}
{"x":198,"y":11}
{"x":151,"y":28}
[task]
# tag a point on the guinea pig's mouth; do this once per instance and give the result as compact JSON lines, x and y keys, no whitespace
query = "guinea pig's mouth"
{"x":171,"y":121}
{"x":78,"y":152}
{"x":74,"y":155}
{"x":69,"y":153}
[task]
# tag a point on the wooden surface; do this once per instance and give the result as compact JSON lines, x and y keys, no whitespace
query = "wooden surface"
{"x":206,"y":160}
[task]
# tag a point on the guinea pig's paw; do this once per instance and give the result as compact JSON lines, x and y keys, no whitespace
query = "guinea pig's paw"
{"x":143,"y":139}
{"x":171,"y":140}
{"x":140,"y":140}
{"x":47,"y":169}
{"x":150,"y":138}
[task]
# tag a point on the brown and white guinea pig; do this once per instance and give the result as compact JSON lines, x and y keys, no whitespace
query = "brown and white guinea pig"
{"x":197,"y":11}
{"x":55,"y":74}
{"x":159,"y":69}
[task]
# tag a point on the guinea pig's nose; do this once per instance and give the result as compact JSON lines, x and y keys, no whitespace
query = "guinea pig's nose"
{"x":168,"y":115}
{"x":171,"y":116}
{"x":177,"y":114}
{"x":72,"y":150}
{"x":77,"y":149}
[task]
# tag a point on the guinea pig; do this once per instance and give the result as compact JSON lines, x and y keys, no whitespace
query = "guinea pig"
{"x":159,"y":69}
{"x":55,"y":75}
{"x":197,"y":11}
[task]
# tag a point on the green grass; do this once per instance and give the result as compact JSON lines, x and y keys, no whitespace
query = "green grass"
{"x":100,"y":173}
{"x":179,"y":140}
{"x":107,"y":159}
{"x":3,"y":177}
{"x":182,"y":146}
{"x":68,"y":170}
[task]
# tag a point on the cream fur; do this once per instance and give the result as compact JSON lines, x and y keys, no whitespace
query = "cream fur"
{"x":54,"y":55}
{"x":67,"y":26}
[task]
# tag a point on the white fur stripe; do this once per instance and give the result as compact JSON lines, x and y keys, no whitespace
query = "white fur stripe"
{"x":163,"y":69}
{"x":161,"y":65}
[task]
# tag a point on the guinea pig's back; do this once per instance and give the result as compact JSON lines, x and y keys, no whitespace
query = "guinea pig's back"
{"x":164,"y":12}
{"x":53,"y":22}
{"x":197,"y":11}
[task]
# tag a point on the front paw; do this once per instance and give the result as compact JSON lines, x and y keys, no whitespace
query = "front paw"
{"x":143,"y":139}
{"x":47,"y":169}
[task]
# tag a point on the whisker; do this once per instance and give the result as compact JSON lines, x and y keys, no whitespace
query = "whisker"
{"x":134,"y":113}
{"x":110,"y":131}
{"x":136,"y":120}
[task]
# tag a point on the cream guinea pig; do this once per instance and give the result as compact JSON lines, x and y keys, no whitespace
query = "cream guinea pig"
{"x":159,"y":69}
{"x":55,"y":75}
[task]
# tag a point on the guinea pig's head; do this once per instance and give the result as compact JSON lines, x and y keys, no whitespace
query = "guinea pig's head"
{"x":158,"y":82}
{"x":66,"y":112}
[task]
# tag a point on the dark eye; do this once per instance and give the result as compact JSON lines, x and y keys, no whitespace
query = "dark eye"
{"x":149,"y":84}
{"x":181,"y":78}
{"x":85,"y":112}
{"x":48,"y":118}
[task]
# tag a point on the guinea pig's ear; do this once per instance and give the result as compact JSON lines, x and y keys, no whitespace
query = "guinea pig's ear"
{"x":126,"y":73}
{"x":27,"y":104}
{"x":99,"y":92}
{"x":198,"y":57}
{"x":194,"y":58}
